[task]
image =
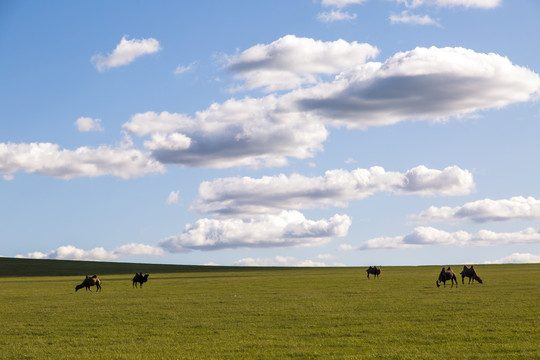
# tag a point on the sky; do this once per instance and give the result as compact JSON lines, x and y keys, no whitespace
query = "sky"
{"x":271,"y":133}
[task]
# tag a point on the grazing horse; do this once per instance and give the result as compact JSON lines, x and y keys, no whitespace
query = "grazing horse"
{"x":471,"y":274}
{"x":89,"y":281}
{"x":139,"y":278}
{"x":445,"y":275}
{"x":374,"y":270}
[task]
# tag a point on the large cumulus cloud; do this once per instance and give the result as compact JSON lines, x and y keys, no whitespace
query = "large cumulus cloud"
{"x":241,"y":195}
{"x":287,"y":229}
{"x":293,"y":61}
{"x":427,"y":84}
{"x":421,"y":84}
{"x":245,"y":132}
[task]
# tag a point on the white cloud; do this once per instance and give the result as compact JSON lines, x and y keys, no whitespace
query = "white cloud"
{"x":271,"y":194}
{"x":421,"y":84}
{"x":407,"y":18}
{"x":183,"y":69}
{"x":292,"y":61}
{"x":49,"y":159}
{"x":173,"y":197}
{"x":430,"y":84}
{"x":425,"y":236}
{"x":341,"y":3}
{"x":86,"y":124}
{"x":278,"y":261}
{"x":481,"y":4}
{"x":126,"y":52}
{"x":245,"y":132}
{"x":288,"y":229}
{"x":485,"y":210}
{"x":169,"y":142}
{"x":70,"y":252}
{"x":345,"y":247}
{"x":326,"y":257}
{"x":517,"y":258}
{"x":335,"y":15}
{"x":150,"y":122}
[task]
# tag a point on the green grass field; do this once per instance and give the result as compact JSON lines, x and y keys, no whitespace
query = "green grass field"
{"x":266,"y":313}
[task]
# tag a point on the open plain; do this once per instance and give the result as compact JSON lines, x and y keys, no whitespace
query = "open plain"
{"x":185,"y":312}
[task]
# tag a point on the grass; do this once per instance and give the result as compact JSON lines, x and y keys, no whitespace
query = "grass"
{"x":272,"y":313}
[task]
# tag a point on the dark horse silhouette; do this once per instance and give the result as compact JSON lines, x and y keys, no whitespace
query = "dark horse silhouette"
{"x":89,"y":281}
{"x":445,"y":275}
{"x":373,"y":270}
{"x":471,"y":274}
{"x":139,"y":278}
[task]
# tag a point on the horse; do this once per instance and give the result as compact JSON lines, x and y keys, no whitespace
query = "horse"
{"x":471,"y":274}
{"x":139,"y":278}
{"x":375,"y":271}
{"x":445,"y":275}
{"x":88,"y":282}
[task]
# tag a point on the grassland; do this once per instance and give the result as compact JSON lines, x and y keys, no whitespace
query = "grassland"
{"x":272,"y":313}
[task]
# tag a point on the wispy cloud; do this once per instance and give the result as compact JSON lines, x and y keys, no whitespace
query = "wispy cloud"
{"x":126,"y":52}
{"x":180,"y":69}
{"x":480,"y":4}
{"x":278,"y":261}
{"x":173,"y":197}
{"x":335,"y":15}
{"x":341,"y":3}
{"x":412,"y":19}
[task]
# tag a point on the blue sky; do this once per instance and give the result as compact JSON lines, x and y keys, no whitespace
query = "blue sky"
{"x":301,"y":133}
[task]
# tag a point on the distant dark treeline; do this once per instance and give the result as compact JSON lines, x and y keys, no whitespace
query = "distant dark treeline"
{"x":47,"y":267}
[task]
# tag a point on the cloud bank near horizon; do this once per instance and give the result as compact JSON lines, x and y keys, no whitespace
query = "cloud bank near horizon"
{"x":429,"y":236}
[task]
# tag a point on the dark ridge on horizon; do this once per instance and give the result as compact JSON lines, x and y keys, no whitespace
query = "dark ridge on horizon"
{"x":13,"y":267}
